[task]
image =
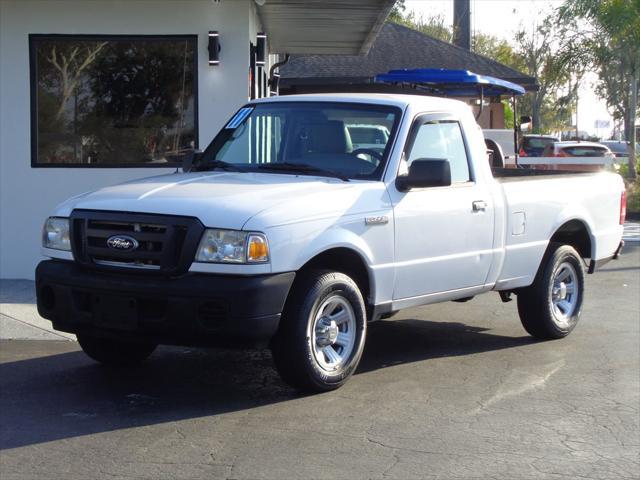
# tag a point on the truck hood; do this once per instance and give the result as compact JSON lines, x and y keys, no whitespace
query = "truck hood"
{"x":228,"y":199}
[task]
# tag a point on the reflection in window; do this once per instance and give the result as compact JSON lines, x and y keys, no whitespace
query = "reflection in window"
{"x":111,"y":101}
{"x":442,"y":140}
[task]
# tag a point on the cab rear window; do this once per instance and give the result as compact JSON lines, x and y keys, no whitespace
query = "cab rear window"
{"x":537,"y":142}
{"x":585,"y":151}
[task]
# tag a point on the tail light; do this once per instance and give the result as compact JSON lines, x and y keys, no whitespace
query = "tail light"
{"x":623,"y":207}
{"x":522,"y":153}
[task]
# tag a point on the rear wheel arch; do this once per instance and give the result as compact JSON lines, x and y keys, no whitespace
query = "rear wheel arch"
{"x":577,"y":234}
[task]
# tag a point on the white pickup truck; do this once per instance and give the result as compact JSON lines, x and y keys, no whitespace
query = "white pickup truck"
{"x":282,"y":233}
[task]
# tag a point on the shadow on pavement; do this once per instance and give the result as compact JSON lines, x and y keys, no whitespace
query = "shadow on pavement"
{"x":66,"y":395}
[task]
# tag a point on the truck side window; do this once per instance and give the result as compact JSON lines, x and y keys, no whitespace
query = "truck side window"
{"x":442,"y":139}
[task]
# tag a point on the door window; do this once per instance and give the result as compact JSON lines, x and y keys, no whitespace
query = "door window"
{"x":442,"y":140}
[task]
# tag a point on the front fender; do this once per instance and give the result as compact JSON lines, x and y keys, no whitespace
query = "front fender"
{"x":293,"y":246}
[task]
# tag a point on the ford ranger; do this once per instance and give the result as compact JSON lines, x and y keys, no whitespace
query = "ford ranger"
{"x":282,"y":233}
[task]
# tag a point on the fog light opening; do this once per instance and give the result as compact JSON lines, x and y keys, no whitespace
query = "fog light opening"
{"x":47,"y":298}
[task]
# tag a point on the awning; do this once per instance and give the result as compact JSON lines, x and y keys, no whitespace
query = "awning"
{"x":346,"y":27}
{"x":454,"y":83}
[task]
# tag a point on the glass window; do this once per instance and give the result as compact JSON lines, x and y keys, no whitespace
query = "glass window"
{"x":288,"y":137}
{"x":585,"y":151}
{"x":112,"y":100}
{"x":442,"y":140}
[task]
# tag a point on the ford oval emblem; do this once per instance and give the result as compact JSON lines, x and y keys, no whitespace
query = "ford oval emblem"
{"x":122,"y":242}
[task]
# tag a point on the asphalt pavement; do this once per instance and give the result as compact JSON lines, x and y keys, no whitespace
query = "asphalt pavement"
{"x":452,"y":391}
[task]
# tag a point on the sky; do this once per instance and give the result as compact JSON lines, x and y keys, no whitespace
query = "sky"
{"x":503,"y":18}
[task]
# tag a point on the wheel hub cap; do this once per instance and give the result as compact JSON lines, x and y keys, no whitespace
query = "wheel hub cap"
{"x":565,"y":293}
{"x":326,"y":332}
{"x":560,"y":292}
{"x":333,"y":333}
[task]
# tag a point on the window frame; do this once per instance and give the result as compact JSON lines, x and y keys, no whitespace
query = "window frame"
{"x":34,"y":38}
{"x":421,"y":119}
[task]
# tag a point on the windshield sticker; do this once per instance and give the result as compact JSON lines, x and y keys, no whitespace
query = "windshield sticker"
{"x":239,"y":117}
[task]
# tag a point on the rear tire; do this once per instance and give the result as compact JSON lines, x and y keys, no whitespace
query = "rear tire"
{"x":115,"y":353}
{"x":550,"y":308}
{"x":322,"y":332}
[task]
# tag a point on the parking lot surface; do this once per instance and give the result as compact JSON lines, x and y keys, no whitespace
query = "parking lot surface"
{"x":446,"y":391}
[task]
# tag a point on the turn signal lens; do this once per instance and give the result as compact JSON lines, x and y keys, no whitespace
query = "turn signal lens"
{"x":258,"y":250}
{"x":232,"y":246}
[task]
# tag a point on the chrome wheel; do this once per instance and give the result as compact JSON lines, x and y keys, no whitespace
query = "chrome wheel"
{"x":333,"y":333}
{"x":564,"y":293}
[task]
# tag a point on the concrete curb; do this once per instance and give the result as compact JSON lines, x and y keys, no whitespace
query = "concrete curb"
{"x":19,"y":319}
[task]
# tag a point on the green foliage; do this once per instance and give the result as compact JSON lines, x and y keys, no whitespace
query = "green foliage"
{"x":434,"y":26}
{"x":497,"y":49}
{"x":508,"y":114}
{"x":633,"y":189}
{"x":610,"y":30}
{"x":537,"y":52}
{"x":397,"y":12}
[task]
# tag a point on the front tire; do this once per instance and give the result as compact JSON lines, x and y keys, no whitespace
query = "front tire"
{"x":322,"y":332}
{"x":115,"y":353}
{"x":550,"y":308}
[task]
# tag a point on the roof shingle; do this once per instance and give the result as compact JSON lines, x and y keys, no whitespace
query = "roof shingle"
{"x":396,"y":47}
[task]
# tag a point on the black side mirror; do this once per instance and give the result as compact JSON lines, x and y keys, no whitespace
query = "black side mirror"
{"x":425,"y":172}
{"x":190,"y":159}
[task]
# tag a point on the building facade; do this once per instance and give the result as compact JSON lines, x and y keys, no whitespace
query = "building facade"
{"x":94,"y":93}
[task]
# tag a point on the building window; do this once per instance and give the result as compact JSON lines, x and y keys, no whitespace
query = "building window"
{"x":112,"y":101}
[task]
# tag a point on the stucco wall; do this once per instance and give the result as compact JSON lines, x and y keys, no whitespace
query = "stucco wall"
{"x":27,"y":195}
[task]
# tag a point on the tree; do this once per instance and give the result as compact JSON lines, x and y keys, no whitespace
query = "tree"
{"x":550,"y":56}
{"x":435,"y":26}
{"x":397,"y":12}
{"x":70,"y":66}
{"x":611,"y":33}
{"x":537,"y":53}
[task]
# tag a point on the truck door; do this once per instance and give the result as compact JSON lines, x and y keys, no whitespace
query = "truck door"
{"x":443,"y":235}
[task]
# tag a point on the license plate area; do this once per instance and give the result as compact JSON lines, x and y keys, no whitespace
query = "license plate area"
{"x":115,"y":311}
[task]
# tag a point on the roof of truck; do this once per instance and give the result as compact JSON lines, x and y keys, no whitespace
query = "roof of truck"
{"x":399,"y":100}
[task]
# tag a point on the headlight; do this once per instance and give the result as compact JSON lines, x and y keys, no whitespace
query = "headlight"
{"x":232,"y":246}
{"x":55,"y":234}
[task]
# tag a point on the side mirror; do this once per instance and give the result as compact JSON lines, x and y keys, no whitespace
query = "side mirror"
{"x":190,"y":158}
{"x":425,"y":172}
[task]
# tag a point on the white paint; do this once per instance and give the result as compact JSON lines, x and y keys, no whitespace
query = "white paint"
{"x":435,"y":248}
{"x":28,"y":195}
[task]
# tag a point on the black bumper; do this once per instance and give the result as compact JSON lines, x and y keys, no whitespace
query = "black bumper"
{"x":596,"y":264}
{"x":194,"y":309}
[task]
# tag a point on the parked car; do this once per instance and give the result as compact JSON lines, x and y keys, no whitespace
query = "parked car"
{"x":534,"y":145}
{"x":576,"y":149}
{"x":619,"y":147}
{"x":280,"y":234}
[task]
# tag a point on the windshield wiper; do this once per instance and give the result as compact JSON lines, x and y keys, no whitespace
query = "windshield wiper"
{"x":302,"y":168}
{"x":220,"y":165}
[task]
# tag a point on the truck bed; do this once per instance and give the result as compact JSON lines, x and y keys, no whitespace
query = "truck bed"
{"x":519,"y":174}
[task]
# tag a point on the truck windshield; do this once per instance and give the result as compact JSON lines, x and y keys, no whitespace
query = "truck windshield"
{"x":304,"y":138}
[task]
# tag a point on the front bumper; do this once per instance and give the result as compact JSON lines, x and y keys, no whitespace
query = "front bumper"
{"x":194,"y":309}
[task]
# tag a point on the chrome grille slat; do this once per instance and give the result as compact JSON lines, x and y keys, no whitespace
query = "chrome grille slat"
{"x":110,"y":263}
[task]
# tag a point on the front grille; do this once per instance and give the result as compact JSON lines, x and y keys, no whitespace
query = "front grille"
{"x":164,"y":244}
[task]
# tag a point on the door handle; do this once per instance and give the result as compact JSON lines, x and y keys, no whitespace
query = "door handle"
{"x":479,"y":206}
